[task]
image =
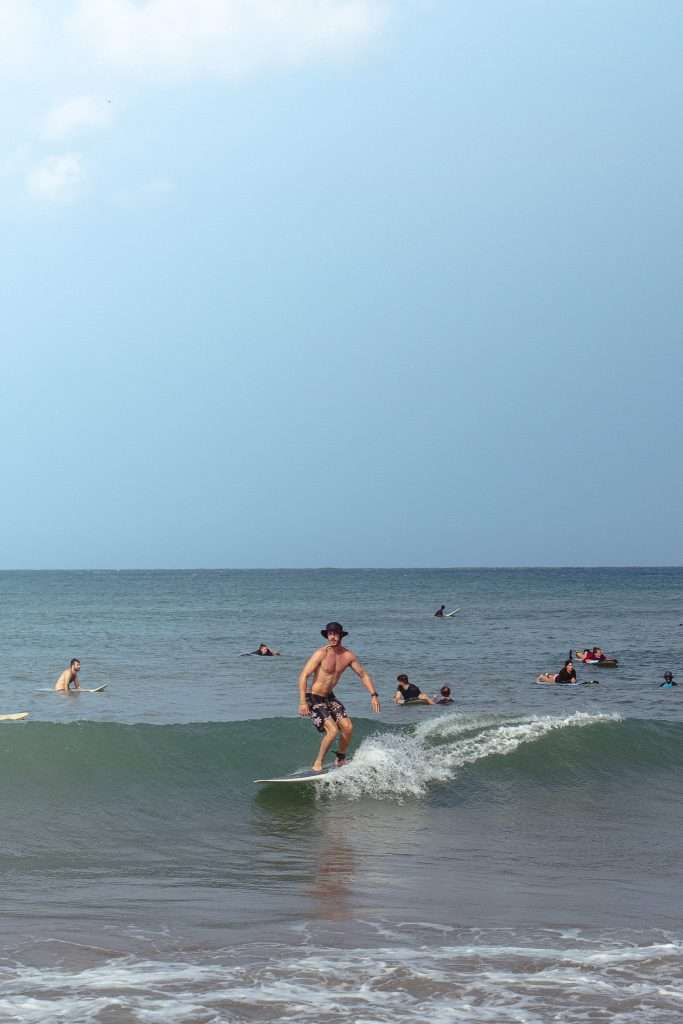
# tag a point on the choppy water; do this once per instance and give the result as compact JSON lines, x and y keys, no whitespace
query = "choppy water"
{"x":513,"y":858}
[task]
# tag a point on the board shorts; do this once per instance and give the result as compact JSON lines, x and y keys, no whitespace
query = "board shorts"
{"x":322,"y":708}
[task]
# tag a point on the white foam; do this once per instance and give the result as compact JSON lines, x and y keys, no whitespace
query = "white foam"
{"x":408,"y":763}
{"x":477,"y":983}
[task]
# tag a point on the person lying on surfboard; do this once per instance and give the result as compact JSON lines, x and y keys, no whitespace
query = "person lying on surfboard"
{"x":69,"y":678}
{"x":567,"y":674}
{"x":328,"y":714}
{"x":265,"y":651}
{"x":596,"y":654}
{"x":407,"y":691}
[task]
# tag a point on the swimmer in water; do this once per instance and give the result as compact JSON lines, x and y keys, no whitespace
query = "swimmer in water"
{"x":669,"y":680}
{"x":444,"y":696}
{"x":265,"y":651}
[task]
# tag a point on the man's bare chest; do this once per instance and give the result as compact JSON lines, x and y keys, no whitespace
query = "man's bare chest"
{"x":334,"y":664}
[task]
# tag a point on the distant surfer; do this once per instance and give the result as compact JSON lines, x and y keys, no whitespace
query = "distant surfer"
{"x":69,"y":678}
{"x":592,"y":656}
{"x":407,"y":692}
{"x":328,"y":714}
{"x":444,"y":696}
{"x":669,"y":680}
{"x":265,"y":651}
{"x":439,"y":613}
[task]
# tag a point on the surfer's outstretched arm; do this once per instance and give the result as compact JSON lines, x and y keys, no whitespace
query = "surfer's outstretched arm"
{"x":367,"y":682}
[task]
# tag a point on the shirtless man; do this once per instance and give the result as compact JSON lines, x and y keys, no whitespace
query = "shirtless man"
{"x":327,"y":713}
{"x":69,"y":678}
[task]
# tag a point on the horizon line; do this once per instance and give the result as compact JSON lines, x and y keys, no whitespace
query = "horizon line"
{"x":339,"y":568}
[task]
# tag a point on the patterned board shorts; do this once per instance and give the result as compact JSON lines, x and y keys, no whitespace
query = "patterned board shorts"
{"x":323,"y":708}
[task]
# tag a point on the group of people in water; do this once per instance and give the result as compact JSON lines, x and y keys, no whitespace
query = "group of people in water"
{"x":329,"y":716}
{"x":409,"y":693}
{"x":567,"y":674}
{"x":324,"y":669}
{"x":590,"y":656}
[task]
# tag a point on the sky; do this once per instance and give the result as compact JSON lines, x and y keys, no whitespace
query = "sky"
{"x":301,"y":283}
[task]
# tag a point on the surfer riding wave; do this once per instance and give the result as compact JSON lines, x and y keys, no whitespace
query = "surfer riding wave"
{"x":327,"y":713}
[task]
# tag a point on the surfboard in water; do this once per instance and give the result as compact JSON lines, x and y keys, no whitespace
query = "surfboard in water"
{"x":303,"y":776}
{"x":81,"y":689}
{"x":19,"y":716}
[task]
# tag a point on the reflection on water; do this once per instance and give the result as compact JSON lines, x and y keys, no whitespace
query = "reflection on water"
{"x":349,"y":857}
{"x":335,"y":872}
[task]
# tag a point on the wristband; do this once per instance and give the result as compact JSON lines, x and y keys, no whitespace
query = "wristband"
{"x":374,"y":695}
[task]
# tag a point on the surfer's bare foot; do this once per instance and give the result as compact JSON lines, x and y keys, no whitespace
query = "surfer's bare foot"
{"x":316,"y":767}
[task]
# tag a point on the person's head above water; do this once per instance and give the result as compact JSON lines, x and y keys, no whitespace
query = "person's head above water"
{"x":445,"y":691}
{"x":668,"y":677}
{"x":333,"y":627}
{"x":403,"y":678}
{"x":568,"y":665}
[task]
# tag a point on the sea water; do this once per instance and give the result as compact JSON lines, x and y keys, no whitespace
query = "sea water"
{"x":512,"y":857}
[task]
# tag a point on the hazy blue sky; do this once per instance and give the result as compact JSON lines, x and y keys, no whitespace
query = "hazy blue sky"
{"x":341,"y":282}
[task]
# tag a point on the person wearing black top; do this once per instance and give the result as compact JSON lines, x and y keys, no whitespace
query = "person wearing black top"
{"x":407,"y":691}
{"x":567,"y":673}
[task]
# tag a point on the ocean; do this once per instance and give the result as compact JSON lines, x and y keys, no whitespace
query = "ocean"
{"x":514,"y":857}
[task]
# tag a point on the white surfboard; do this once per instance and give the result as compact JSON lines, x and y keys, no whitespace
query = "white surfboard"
{"x":81,"y":689}
{"x":447,"y":615}
{"x":19,"y":716}
{"x":304,"y":776}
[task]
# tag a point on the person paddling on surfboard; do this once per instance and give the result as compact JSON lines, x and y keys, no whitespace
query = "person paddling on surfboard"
{"x":69,"y":678}
{"x":265,"y":651}
{"x":409,"y":692}
{"x":328,"y":714}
